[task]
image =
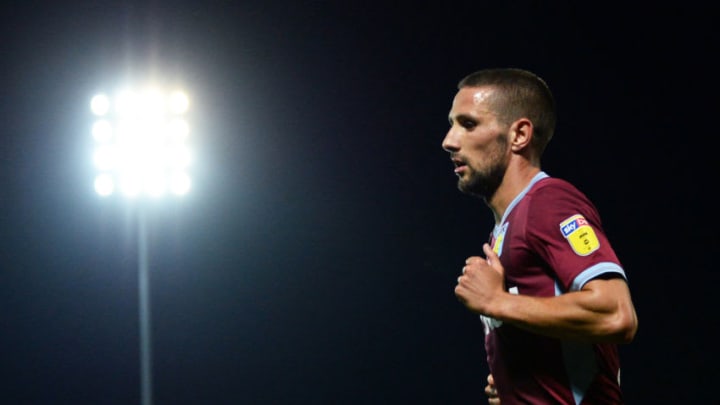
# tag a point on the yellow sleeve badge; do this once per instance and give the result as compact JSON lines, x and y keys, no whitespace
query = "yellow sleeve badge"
{"x":580,"y":234}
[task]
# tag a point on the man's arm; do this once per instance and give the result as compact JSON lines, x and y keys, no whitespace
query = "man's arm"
{"x":602,"y":311}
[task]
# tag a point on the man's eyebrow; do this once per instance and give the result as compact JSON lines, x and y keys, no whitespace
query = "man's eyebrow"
{"x":461,"y":117}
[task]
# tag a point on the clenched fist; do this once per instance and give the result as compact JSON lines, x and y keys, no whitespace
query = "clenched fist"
{"x":482,"y":280}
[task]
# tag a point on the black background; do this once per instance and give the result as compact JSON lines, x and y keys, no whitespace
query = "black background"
{"x":315,"y":259}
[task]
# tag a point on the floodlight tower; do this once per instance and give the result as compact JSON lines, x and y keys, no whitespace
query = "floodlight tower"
{"x":141,"y":152}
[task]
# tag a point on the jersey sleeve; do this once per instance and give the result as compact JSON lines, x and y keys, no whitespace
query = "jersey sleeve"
{"x":566,"y":232}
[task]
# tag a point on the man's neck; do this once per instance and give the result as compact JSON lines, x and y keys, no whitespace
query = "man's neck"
{"x":517,"y":178}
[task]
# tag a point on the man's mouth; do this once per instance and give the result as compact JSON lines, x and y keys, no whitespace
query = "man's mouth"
{"x":460,"y":166}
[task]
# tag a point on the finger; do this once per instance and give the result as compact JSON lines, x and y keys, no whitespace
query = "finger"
{"x":491,"y":391}
{"x":472,"y":259}
{"x":491,"y":257}
{"x":459,"y":294}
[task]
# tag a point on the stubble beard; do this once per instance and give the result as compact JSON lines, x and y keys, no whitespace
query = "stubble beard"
{"x":483,"y":183}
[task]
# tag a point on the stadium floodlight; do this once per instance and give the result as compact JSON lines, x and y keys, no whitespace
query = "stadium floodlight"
{"x":141,"y":143}
{"x":141,"y":149}
{"x":100,"y":105}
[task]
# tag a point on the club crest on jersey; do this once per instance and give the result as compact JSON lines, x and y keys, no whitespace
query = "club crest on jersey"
{"x":580,"y":235}
{"x":499,"y":238}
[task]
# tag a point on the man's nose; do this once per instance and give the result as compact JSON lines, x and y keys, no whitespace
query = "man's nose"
{"x":450,"y":143}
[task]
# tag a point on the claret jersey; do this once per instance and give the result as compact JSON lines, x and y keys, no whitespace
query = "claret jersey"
{"x":550,"y":242}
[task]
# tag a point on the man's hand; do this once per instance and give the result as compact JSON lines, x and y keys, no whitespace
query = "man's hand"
{"x":491,"y":392}
{"x":481,"y":281}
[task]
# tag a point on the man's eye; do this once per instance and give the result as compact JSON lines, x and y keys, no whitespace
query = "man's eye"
{"x":468,"y":124}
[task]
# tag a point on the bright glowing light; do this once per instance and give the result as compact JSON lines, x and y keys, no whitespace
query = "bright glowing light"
{"x":126,"y":104}
{"x":180,"y":184}
{"x":100,"y":105}
{"x":102,"y":130}
{"x":131,"y":185}
{"x":151,"y":104}
{"x":178,"y":157}
{"x":105,"y":158}
{"x":141,"y":143}
{"x":178,"y":129}
{"x":179,"y":102}
{"x":104,"y":184}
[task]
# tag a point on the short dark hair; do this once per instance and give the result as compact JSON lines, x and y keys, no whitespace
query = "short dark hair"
{"x":520,"y":94}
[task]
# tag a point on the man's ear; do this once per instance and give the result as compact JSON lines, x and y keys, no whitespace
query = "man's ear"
{"x":521,"y":132}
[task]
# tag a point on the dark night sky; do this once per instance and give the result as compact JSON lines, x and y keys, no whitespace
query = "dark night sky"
{"x":315,"y":260}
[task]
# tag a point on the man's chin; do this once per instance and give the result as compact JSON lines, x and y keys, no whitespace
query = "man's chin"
{"x":471,"y":189}
{"x":465,"y":188}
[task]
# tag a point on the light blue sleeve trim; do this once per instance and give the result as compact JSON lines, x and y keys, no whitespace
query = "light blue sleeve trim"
{"x":594,"y":271}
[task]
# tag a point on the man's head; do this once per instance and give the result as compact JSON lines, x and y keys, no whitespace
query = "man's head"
{"x":497,"y":114}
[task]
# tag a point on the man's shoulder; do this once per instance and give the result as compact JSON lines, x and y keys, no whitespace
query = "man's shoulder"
{"x":554,"y":183}
{"x":552,"y":193}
